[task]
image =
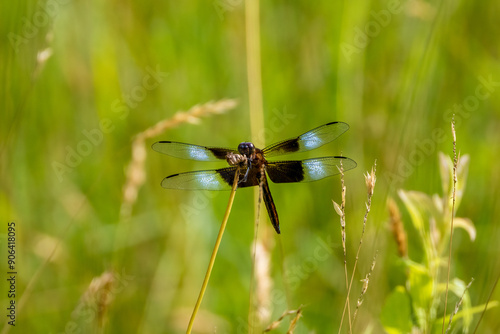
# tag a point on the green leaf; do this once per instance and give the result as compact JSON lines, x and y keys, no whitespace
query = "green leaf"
{"x":467,"y":225}
{"x":419,"y":206}
{"x":446,"y":170}
{"x":459,"y":288}
{"x":420,"y":287}
{"x":462,"y":172}
{"x":414,"y":208}
{"x":471,"y":311}
{"x":396,"y":313}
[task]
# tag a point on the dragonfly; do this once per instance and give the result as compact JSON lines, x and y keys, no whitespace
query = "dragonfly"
{"x":253,"y":166}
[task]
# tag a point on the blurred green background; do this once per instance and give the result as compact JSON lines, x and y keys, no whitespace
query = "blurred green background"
{"x":394,"y":71}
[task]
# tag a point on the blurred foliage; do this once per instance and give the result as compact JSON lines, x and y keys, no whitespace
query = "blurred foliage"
{"x":425,"y":285}
{"x":81,"y":78}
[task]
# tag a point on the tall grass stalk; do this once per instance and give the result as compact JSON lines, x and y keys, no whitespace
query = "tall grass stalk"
{"x":251,"y":312}
{"x":255,"y":105}
{"x":457,"y":306}
{"x":366,"y":283}
{"x":486,"y":304}
{"x":341,"y":212}
{"x":214,"y":252}
{"x":455,"y":163}
{"x":370,"y":180}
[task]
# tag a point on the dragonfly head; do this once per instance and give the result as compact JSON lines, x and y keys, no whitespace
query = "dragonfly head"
{"x":247,"y":149}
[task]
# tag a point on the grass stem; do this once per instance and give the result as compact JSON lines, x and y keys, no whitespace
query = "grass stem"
{"x":455,"y":163}
{"x":214,"y":252}
{"x":342,"y":226}
{"x":370,"y":179}
{"x":251,"y":312}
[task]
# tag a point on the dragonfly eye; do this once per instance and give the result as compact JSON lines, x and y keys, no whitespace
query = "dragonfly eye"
{"x":246,"y":148}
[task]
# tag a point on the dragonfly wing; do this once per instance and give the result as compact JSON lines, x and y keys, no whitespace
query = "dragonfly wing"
{"x":215,"y":179}
{"x":308,"y":141}
{"x":307,"y":170}
{"x":192,"y":152}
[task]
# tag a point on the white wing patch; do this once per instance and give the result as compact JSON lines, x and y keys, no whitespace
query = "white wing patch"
{"x":198,"y":153}
{"x":322,"y":135}
{"x":315,"y":170}
{"x":209,"y":182}
{"x":319,"y":168}
{"x":197,"y":180}
{"x":311,"y":141}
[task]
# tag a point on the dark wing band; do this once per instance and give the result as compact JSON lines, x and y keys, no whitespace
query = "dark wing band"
{"x":307,"y":170}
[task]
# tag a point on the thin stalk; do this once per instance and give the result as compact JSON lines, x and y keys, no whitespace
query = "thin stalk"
{"x":342,"y":226}
{"x":455,"y":163}
{"x":214,"y":252}
{"x":254,"y":73}
{"x":256,"y":114}
{"x":355,"y":264}
{"x":251,"y":313}
{"x":370,"y":185}
{"x":486,"y":305}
